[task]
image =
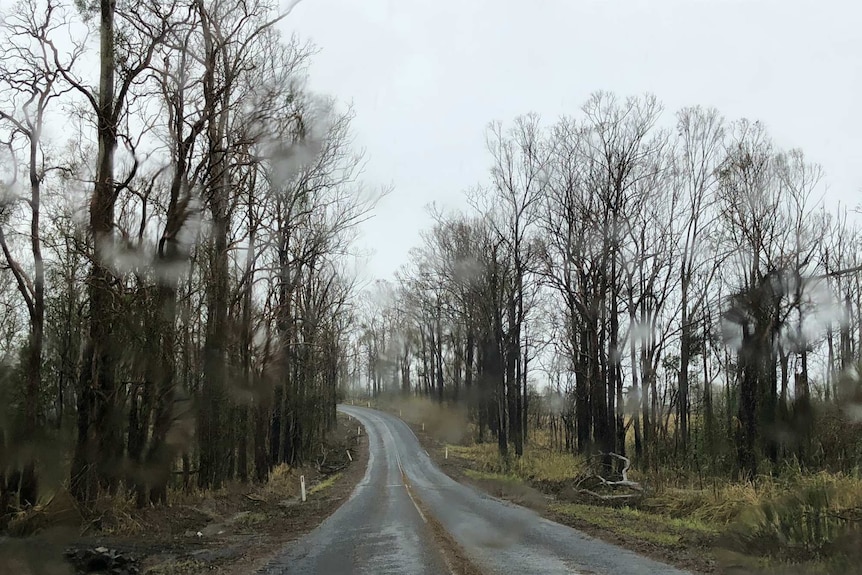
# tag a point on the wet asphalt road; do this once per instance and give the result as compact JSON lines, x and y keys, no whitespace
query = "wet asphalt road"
{"x":379,"y":529}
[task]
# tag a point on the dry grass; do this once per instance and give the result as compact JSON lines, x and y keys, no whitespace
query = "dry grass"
{"x":535,"y":465}
{"x":283,"y":482}
{"x":812,"y":519}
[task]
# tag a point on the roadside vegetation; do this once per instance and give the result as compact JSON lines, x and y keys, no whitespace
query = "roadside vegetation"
{"x":177,"y":211}
{"x":668,"y":299}
{"x":642,"y":321}
{"x":233,"y":529}
{"x":795,"y":522}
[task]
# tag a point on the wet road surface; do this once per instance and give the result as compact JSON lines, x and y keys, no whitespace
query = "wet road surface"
{"x":380,"y":530}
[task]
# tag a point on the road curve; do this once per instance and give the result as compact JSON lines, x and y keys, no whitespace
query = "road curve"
{"x":380,"y":530}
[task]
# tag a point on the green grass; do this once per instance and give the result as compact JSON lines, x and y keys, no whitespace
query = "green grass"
{"x":649,"y":527}
{"x":328,"y":482}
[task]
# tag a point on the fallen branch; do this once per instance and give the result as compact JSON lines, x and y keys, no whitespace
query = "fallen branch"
{"x":625,"y":480}
{"x":609,"y":497}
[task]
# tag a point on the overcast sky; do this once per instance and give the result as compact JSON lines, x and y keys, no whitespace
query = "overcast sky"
{"x":426,"y":76}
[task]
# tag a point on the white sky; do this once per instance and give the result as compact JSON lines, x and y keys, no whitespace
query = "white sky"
{"x":426,"y":76}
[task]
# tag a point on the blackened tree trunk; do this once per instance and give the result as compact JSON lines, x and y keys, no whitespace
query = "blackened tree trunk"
{"x":511,"y":354}
{"x":98,"y":448}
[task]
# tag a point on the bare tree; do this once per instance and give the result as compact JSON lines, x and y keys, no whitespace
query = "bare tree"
{"x":31,"y":78}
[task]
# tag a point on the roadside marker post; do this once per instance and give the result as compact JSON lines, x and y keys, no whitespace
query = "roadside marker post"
{"x":446,"y":456}
{"x":302,"y":486}
{"x":358,"y":430}
{"x":369,"y":404}
{"x":423,"y":426}
{"x":399,"y":413}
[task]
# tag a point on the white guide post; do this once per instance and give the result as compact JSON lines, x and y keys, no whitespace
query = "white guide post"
{"x":302,"y":486}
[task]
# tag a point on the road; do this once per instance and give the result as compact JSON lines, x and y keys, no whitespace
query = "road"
{"x":381,"y":530}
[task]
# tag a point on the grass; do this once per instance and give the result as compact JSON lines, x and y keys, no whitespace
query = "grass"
{"x":249,"y":519}
{"x":328,"y":482}
{"x":535,"y":465}
{"x":491,"y":476}
{"x":812,"y":521}
{"x":283,"y":481}
{"x":638,"y":524}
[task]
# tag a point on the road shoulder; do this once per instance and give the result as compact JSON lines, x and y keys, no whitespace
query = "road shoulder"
{"x":238,"y":529}
{"x":694,"y":555}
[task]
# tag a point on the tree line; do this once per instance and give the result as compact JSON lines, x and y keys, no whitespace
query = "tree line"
{"x":678,"y":290}
{"x":176,"y":219}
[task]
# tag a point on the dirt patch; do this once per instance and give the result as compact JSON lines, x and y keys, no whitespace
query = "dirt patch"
{"x":233,"y":531}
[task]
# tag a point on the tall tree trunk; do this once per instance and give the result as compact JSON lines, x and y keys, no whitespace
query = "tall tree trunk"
{"x":511,"y":354}
{"x":213,"y":397}
{"x":438,"y":351}
{"x":583,"y":373}
{"x":526,"y":395}
{"x":98,"y":447}
{"x":685,"y":343}
{"x":162,"y":453}
{"x":29,"y":492}
{"x":747,"y":431}
{"x":598,"y":389}
{"x":708,"y":416}
{"x":635,"y":383}
{"x":616,"y":417}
